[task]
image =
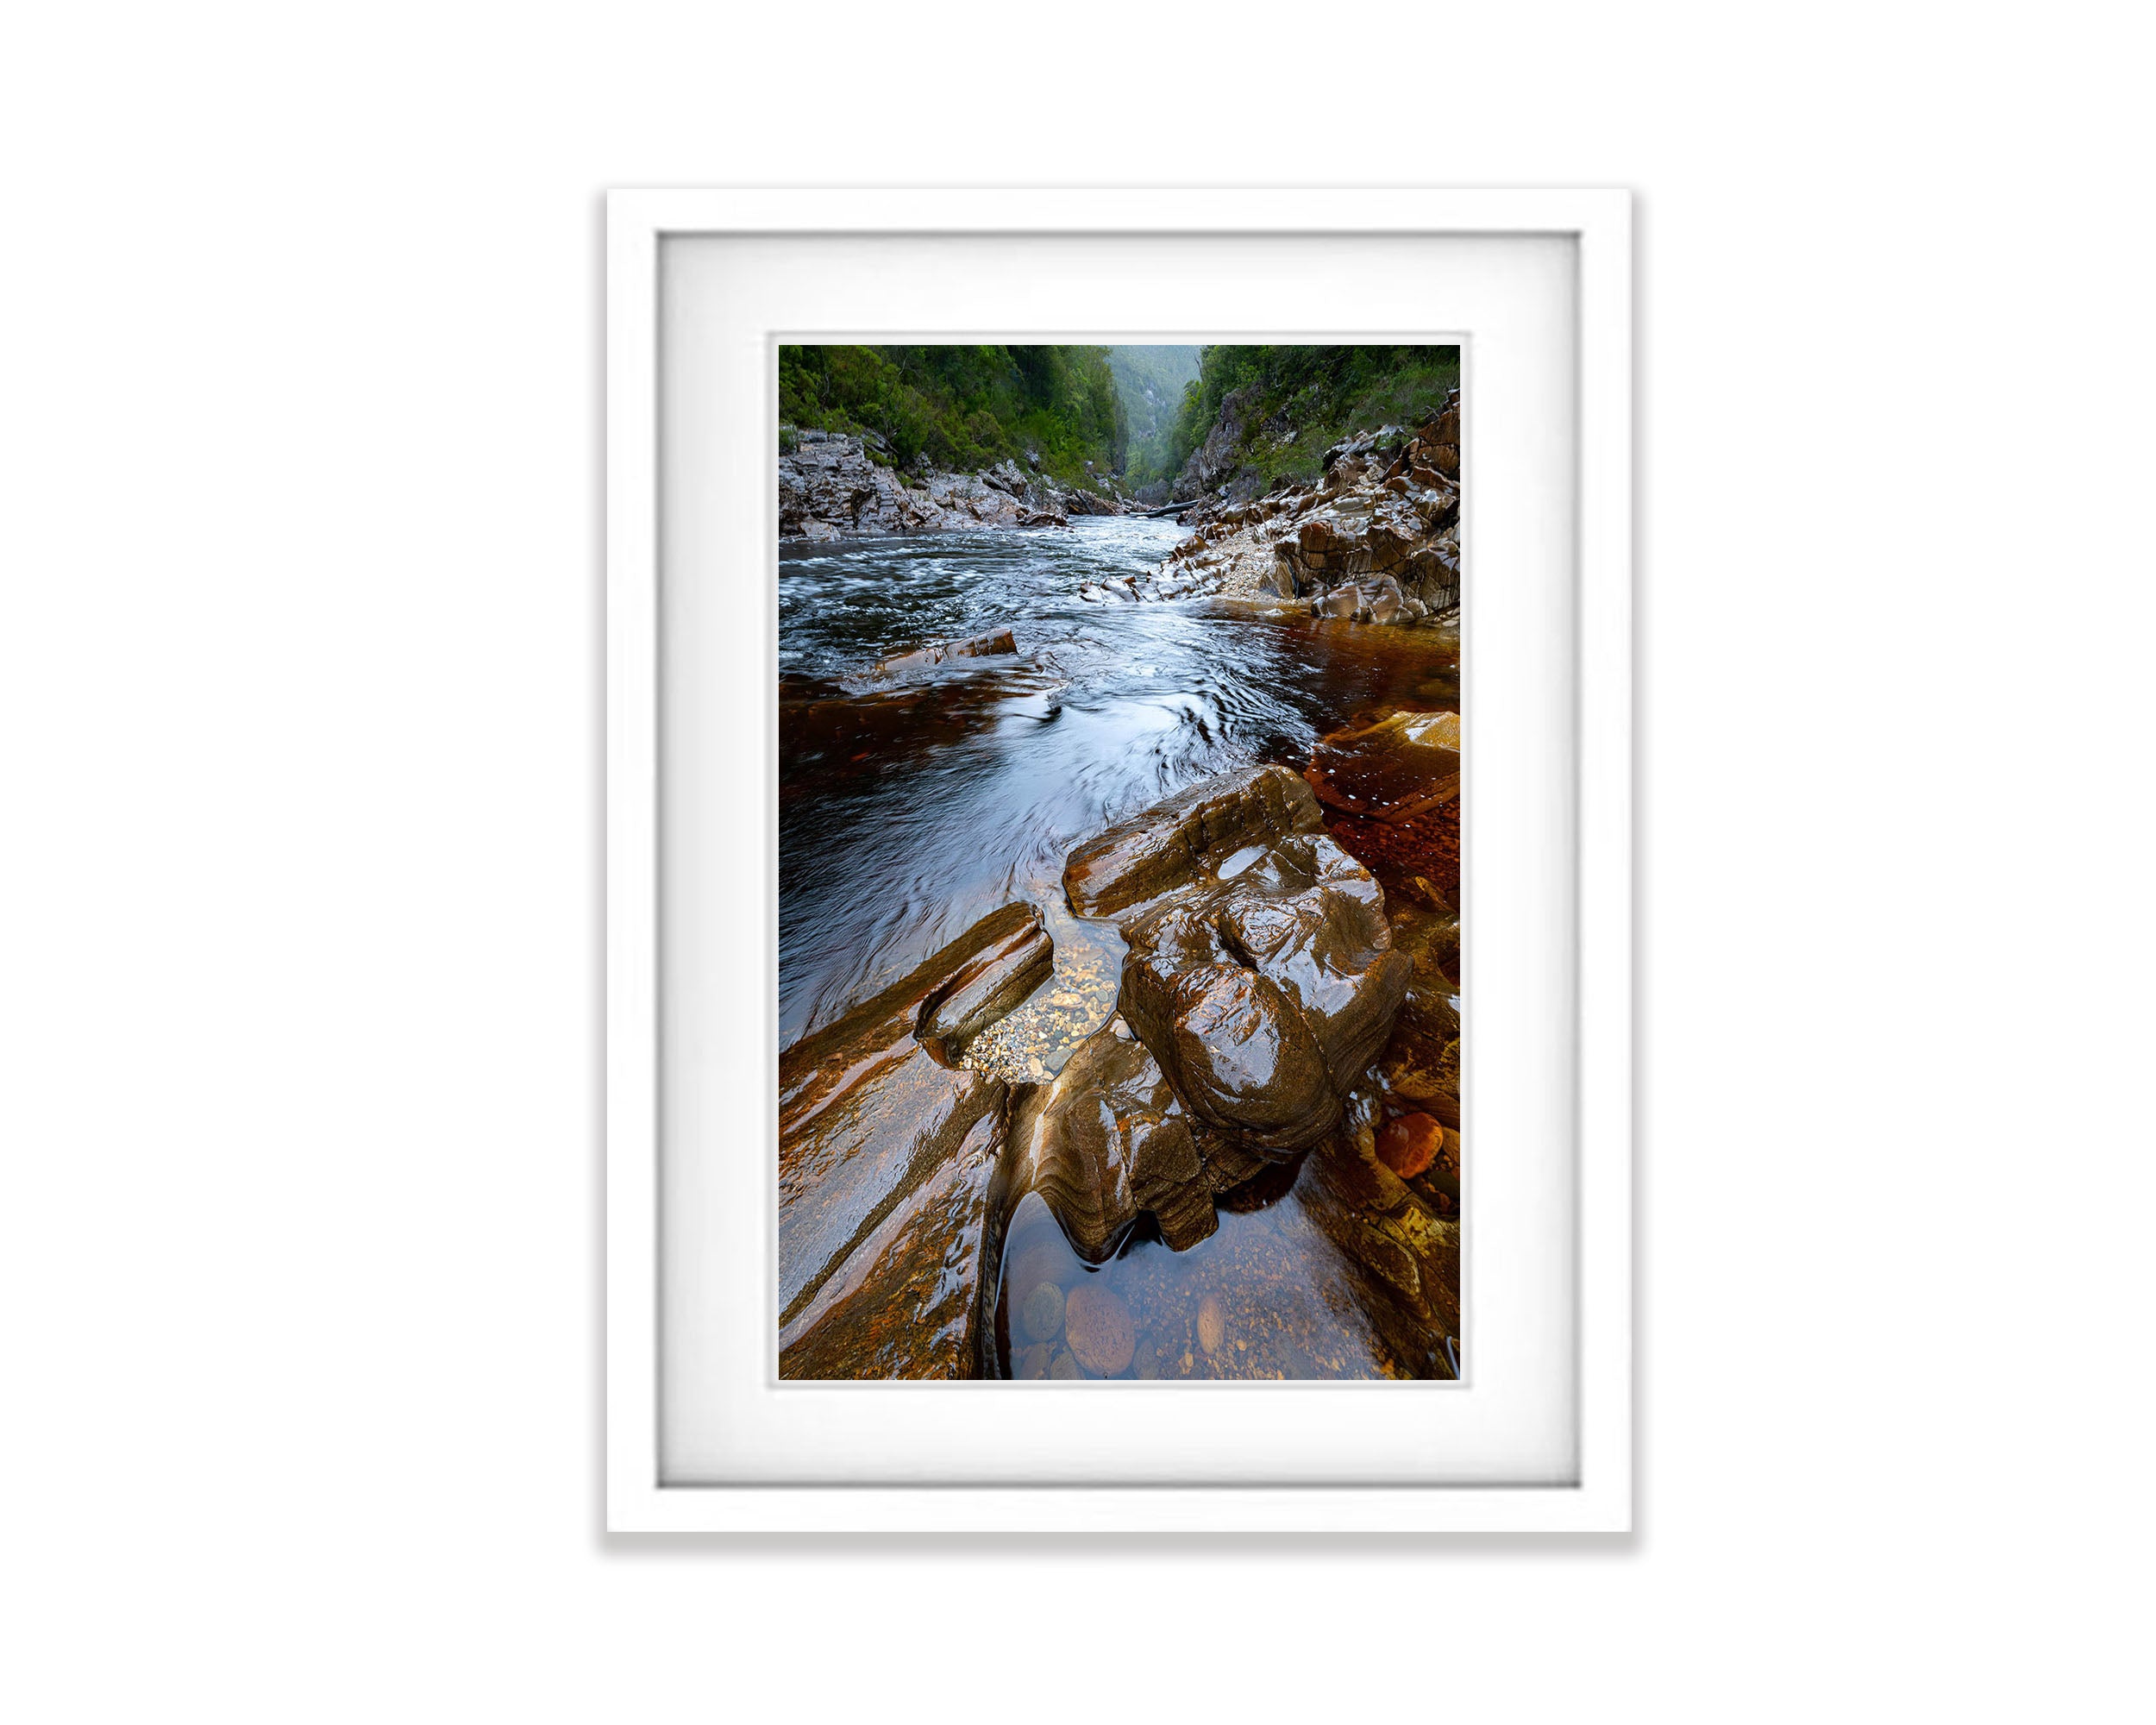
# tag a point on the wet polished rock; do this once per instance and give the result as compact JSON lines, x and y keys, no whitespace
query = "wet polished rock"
{"x":1265,"y":994}
{"x":1016,"y":957}
{"x":1409,"y":1145}
{"x":1104,"y":1141}
{"x":868,"y":1114}
{"x":1401,"y":1255}
{"x":1174,"y":842}
{"x":933,"y":652}
{"x":906,"y":1304}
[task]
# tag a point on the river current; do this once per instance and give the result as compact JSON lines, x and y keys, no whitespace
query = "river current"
{"x":977,"y":793}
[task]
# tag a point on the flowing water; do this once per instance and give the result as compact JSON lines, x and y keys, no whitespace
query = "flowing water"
{"x":973,"y":795}
{"x":910,"y":807}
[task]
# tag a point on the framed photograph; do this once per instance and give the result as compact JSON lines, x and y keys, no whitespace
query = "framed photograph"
{"x":1118,"y":861}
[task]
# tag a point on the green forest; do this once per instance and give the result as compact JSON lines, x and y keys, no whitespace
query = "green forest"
{"x":1088,"y":412}
{"x":964,"y":408}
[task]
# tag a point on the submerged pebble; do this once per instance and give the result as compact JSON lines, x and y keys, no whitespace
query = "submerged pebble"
{"x":1211,"y":1324}
{"x":1100,"y":1332}
{"x":1043,"y":1312}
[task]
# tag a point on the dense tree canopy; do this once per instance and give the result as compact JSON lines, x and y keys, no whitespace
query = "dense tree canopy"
{"x":964,"y":408}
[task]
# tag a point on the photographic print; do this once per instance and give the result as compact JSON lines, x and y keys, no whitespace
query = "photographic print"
{"x":1119,"y":797}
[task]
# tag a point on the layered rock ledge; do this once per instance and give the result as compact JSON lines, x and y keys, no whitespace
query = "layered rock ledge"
{"x":874,"y":1119}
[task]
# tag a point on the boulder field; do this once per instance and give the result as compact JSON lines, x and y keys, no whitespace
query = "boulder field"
{"x":831,"y":487}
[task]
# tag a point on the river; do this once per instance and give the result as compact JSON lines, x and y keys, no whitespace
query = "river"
{"x":973,"y":795}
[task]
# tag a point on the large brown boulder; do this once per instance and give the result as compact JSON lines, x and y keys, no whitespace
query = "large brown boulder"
{"x":1265,"y":992}
{"x":869,"y":1113}
{"x":1173,"y":842}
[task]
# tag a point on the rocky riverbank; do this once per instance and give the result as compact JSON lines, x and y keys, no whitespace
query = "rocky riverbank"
{"x":1375,"y":540}
{"x":831,"y":487}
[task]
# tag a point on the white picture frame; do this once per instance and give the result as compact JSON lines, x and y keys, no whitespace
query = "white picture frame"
{"x":1597,"y":1495}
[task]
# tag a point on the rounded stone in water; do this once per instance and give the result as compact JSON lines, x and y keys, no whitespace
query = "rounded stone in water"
{"x":1211,"y":1324}
{"x":1043,"y":1312}
{"x":1100,"y":1331}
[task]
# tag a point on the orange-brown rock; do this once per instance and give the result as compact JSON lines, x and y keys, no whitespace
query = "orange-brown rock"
{"x":1011,"y":962}
{"x":1410,"y":1144}
{"x":1041,"y":1311}
{"x":868,"y":1115}
{"x":1400,"y":1254}
{"x":906,"y":1303}
{"x":1265,"y":992}
{"x":1104,"y":1141}
{"x":1174,"y":841}
{"x":1097,"y":1325}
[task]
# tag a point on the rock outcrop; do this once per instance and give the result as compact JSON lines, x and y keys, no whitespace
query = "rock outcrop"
{"x":910,"y":1300}
{"x":1375,"y":540}
{"x":1258,"y":985}
{"x":1265,"y":992}
{"x":1107,"y":1141}
{"x":1169,"y":843}
{"x":1218,"y":461}
{"x":933,"y":652}
{"x":881,"y":1153}
{"x":1401,"y":1255}
{"x":1013,"y":957}
{"x":830,"y":488}
{"x":1102,"y":1141}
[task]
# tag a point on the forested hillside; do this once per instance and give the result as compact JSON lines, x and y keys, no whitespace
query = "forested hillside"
{"x":961,"y":409}
{"x":1293,"y":403}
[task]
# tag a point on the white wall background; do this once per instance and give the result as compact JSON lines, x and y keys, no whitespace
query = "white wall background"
{"x":299,"y":943}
